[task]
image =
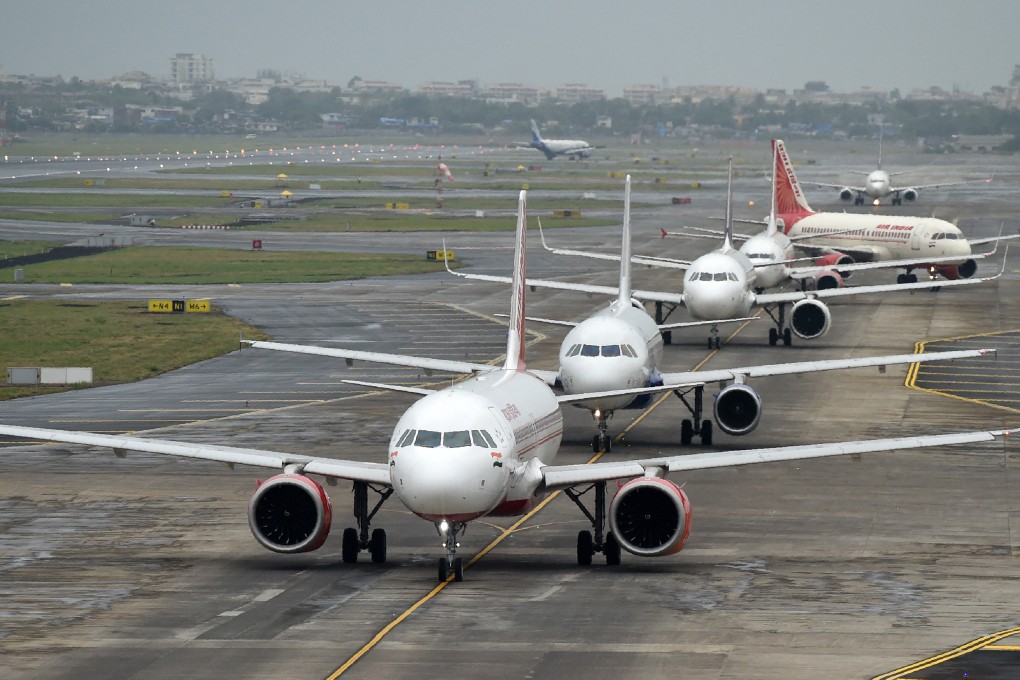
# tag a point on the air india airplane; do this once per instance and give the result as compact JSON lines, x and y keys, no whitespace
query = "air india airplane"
{"x":479,"y":448}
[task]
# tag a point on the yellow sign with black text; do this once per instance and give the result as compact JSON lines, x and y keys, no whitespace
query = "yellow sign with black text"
{"x":198,"y":306}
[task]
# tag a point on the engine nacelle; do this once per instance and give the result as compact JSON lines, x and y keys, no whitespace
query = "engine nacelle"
{"x":290,"y":514}
{"x":834,"y":260}
{"x":737,"y":409}
{"x":650,"y":517}
{"x":909,"y":195}
{"x":828,"y":278}
{"x":810,"y":319}
{"x":951,"y":272}
{"x":846,"y":194}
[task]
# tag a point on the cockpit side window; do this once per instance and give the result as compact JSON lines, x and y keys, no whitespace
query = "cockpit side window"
{"x":406,"y":438}
{"x":428,"y":439}
{"x":574,"y":351}
{"x":481,"y":438}
{"x":628,"y":351}
{"x":731,"y":276}
{"x":456,"y":439}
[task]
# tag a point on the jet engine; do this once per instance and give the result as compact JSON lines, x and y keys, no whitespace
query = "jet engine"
{"x":810,"y":319}
{"x":650,"y":517}
{"x":834,"y":260}
{"x":846,"y":194}
{"x":290,"y":514}
{"x":909,"y":195}
{"x":951,"y":272}
{"x":737,"y":409}
{"x":828,"y":278}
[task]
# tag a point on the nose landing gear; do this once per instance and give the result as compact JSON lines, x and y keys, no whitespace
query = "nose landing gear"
{"x":602,"y":440}
{"x":451,"y":563}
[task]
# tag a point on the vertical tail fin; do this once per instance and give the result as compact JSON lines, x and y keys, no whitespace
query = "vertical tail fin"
{"x":515,"y":332}
{"x":881,"y":133}
{"x":771,"y":227}
{"x":536,"y":136}
{"x":624,"y":295}
{"x":788,"y":197}
{"x":728,"y":233}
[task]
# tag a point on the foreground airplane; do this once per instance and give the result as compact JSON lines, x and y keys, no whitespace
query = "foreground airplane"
{"x":482,"y":447}
{"x":723,"y":284}
{"x":878,"y":185}
{"x":571,"y":148}
{"x":872,"y":238}
{"x":619,"y":348}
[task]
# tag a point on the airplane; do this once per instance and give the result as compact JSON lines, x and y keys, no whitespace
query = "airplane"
{"x":878,"y":185}
{"x":620,"y":347}
{"x":941,"y":246}
{"x":571,"y":148}
{"x":482,"y":447}
{"x":723,"y":284}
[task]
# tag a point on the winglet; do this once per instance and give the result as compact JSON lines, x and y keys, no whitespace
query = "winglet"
{"x":515,"y":335}
{"x":664,"y":232}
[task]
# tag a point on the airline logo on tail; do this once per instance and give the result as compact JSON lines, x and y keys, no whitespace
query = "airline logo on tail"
{"x":788,"y":198}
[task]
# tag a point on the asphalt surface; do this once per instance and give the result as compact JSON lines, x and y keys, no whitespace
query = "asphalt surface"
{"x":853,"y":567}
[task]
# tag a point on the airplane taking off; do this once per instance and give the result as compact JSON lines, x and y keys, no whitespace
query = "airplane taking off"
{"x":619,"y":347}
{"x":571,"y":148}
{"x":872,"y":238}
{"x":878,"y":185}
{"x":482,"y":447}
{"x":723,"y":284}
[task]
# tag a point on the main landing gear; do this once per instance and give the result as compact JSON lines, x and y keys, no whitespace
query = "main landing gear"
{"x":356,"y":540}
{"x":906,"y":278}
{"x":591,"y":542}
{"x":451,"y":563}
{"x":781,"y":331}
{"x":602,"y":441}
{"x":696,"y":427}
{"x":660,"y":318}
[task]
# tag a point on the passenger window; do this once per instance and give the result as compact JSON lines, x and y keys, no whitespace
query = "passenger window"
{"x":428,"y":439}
{"x":406,"y":438}
{"x":456,"y":439}
{"x":610,"y":350}
{"x":590,"y":351}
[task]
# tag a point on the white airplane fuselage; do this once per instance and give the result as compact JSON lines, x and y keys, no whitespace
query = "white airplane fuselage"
{"x":773,"y":250}
{"x":720,"y":285}
{"x":617,"y":348}
{"x":878,"y":184}
{"x":886,"y":237}
{"x":447,"y":469}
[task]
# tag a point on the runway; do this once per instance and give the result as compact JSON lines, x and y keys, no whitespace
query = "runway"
{"x":853,"y":567}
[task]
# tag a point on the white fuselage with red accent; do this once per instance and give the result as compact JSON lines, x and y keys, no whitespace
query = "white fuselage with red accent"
{"x":880,"y":237}
{"x":464,"y":452}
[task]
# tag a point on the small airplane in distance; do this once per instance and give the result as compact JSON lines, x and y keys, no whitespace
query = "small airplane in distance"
{"x":482,"y":447}
{"x":878,"y":185}
{"x":619,"y":348}
{"x":574,"y":149}
{"x":723,"y":284}
{"x":925,"y":243}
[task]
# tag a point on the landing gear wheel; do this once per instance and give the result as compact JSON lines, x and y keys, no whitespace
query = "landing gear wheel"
{"x":349,"y":548}
{"x":444,"y":569}
{"x":595,"y":444}
{"x":686,"y":432}
{"x":585,"y":548}
{"x":706,"y":433}
{"x":773,"y":336}
{"x":710,"y":343}
{"x":787,"y":337}
{"x":607,"y":443}
{"x":718,"y":342}
{"x":458,"y":570}
{"x":901,"y":278}
{"x":612,"y":550}
{"x":667,"y":337}
{"x":377,"y":546}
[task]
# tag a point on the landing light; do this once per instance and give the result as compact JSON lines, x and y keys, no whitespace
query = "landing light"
{"x":444,"y":527}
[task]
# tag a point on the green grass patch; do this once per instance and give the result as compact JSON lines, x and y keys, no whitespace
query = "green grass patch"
{"x":121,"y":341}
{"x":84,"y":199}
{"x":20,"y":248}
{"x":154,"y":265}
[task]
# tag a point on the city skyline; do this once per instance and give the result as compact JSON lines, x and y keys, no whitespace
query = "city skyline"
{"x":909,"y":45}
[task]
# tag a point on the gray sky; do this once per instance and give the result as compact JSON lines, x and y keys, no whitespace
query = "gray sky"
{"x":603,"y":43}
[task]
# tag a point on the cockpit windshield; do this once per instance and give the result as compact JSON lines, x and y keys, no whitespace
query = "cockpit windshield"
{"x":944,"y":235}
{"x":712,"y":276}
{"x":601,"y":350}
{"x":455,"y":439}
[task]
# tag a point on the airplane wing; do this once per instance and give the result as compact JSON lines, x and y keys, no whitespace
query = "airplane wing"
{"x":802,"y":272}
{"x":702,"y":232}
{"x":859,"y":253}
{"x":792,"y":368}
{"x":565,"y":476}
{"x":635,"y":259}
{"x":940,"y":185}
{"x":351,"y":355}
{"x":635,"y":391}
{"x":373,"y":473}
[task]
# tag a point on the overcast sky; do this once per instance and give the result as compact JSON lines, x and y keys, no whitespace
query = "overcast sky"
{"x":610,"y":44}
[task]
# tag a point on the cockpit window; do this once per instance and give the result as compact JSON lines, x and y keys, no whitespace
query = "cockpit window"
{"x":731,"y":276}
{"x":719,"y":276}
{"x":704,"y":276}
{"x":610,"y":350}
{"x":574,"y":351}
{"x":406,"y":438}
{"x":590,"y":351}
{"x":428,"y":439}
{"x":628,"y":350}
{"x":456,"y":439}
{"x":481,"y":438}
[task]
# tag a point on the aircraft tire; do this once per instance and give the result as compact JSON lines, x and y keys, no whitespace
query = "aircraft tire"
{"x":686,"y":432}
{"x":585,"y":548}
{"x":377,"y":546}
{"x":349,"y":546}
{"x":612,"y":550}
{"x":444,"y":569}
{"x":706,"y":433}
{"x":458,"y":570}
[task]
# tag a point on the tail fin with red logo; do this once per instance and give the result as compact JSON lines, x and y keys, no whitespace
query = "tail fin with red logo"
{"x":515,"y":334}
{"x":786,"y":194}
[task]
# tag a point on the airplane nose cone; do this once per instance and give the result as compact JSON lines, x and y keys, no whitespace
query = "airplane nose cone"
{"x":452,"y":484}
{"x":714,"y":300}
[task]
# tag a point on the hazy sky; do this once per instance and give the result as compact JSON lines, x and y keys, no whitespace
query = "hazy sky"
{"x":603,"y":43}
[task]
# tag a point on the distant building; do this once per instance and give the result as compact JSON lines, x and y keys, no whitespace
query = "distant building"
{"x":511,"y":92}
{"x":572,"y":93}
{"x":187,"y":69}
